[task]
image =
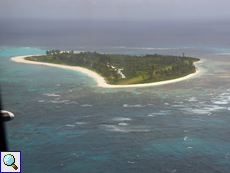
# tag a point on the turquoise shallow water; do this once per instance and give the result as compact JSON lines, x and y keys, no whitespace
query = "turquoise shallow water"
{"x":65,"y":123}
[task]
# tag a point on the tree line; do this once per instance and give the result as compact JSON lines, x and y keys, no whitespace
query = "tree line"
{"x":149,"y":67}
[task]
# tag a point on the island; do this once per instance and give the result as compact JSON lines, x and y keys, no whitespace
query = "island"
{"x":120,"y":69}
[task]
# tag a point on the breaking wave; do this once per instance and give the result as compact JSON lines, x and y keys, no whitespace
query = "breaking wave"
{"x":185,"y":138}
{"x":193,"y":99}
{"x":224,"y":102}
{"x":122,"y":119}
{"x":86,"y":105}
{"x":154,"y":114}
{"x":70,"y":125}
{"x":80,"y":123}
{"x":115,"y":128}
{"x":51,"y":95}
{"x":122,"y":124}
{"x":133,"y":106}
{"x":162,"y":112}
{"x":59,"y":101}
{"x":207,"y":109}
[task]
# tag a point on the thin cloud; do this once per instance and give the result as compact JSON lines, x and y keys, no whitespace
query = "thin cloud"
{"x":115,"y":9}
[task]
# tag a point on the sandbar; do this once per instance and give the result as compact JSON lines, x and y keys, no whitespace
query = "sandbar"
{"x":99,"y":79}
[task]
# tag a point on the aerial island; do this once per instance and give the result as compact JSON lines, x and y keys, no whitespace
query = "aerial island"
{"x":119,"y":69}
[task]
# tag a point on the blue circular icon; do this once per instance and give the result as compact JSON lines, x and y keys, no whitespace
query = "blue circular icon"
{"x":9,"y":159}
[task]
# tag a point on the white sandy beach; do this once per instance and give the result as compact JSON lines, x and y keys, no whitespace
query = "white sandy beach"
{"x":99,"y":79}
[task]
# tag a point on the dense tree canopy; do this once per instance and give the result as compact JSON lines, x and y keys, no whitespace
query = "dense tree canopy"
{"x":124,"y":69}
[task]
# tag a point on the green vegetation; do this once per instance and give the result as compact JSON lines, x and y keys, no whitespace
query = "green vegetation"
{"x":124,"y":69}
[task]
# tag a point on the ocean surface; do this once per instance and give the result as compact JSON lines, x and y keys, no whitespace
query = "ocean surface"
{"x":65,"y":123}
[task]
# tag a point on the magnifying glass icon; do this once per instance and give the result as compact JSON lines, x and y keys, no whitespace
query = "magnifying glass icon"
{"x":9,"y":160}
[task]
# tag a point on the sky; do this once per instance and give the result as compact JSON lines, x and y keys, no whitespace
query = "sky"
{"x":115,"y":9}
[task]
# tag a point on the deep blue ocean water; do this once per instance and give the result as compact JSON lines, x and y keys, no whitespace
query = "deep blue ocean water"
{"x":65,"y":123}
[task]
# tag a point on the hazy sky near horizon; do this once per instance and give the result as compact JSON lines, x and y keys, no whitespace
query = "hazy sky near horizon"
{"x":115,"y":9}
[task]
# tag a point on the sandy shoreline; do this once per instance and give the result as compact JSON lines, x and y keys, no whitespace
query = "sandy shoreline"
{"x":99,"y":79}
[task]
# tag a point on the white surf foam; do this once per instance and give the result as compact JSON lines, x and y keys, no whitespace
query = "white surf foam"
{"x":206,"y":109}
{"x":197,"y":111}
{"x":131,"y":162}
{"x":178,"y":105}
{"x":114,"y":128}
{"x":193,"y":99}
{"x":69,"y":125}
{"x":86,"y":105}
{"x":59,"y":101}
{"x":122,"y":124}
{"x":79,"y":123}
{"x":224,"y":102}
{"x":215,"y":107}
{"x":155,"y":114}
{"x":133,"y":106}
{"x":51,"y":95}
{"x":40,"y":101}
{"x":122,"y":119}
{"x":185,"y":138}
{"x":162,"y":112}
{"x":224,"y":94}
